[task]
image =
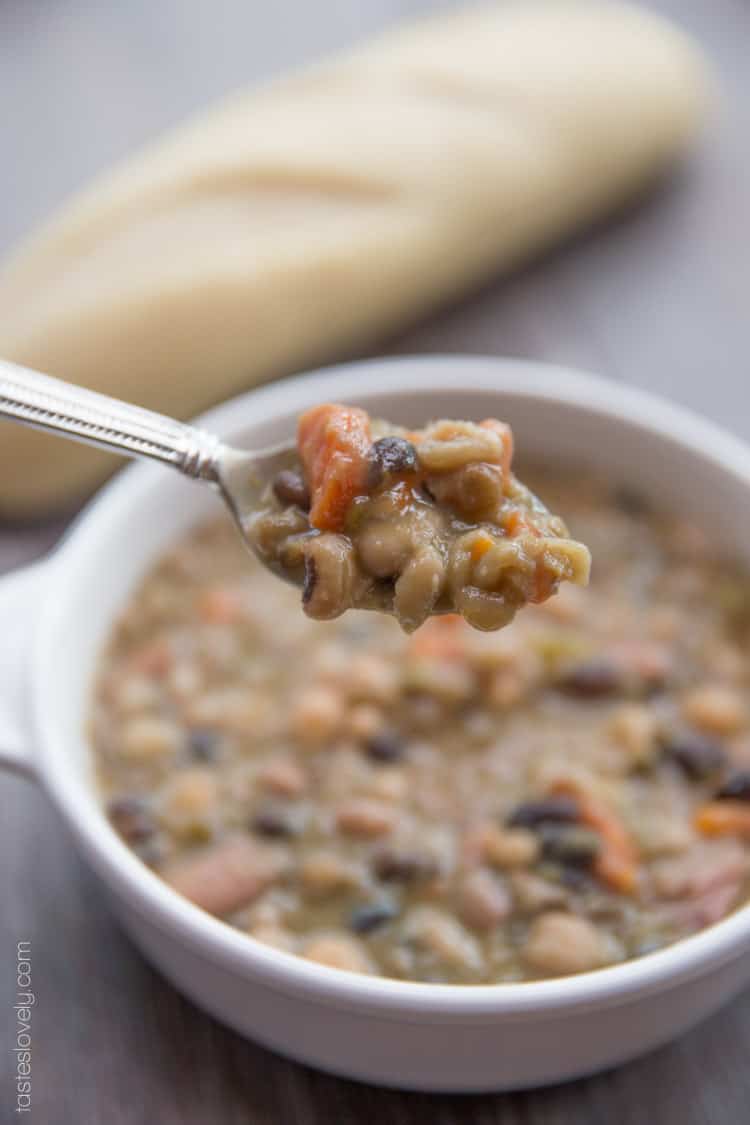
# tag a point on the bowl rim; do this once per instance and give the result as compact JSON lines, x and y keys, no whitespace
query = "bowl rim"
{"x":146,"y":894}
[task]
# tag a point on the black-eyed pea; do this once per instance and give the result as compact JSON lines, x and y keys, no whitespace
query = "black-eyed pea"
{"x":150,"y":739}
{"x":324,"y":873}
{"x":339,"y":951}
{"x":663,"y":835}
{"x":532,"y":894}
{"x":370,"y":679}
{"x":418,"y":587}
{"x":317,"y":715}
{"x":135,"y":695}
{"x":189,"y":803}
{"x":439,"y":934}
{"x":330,"y":576}
{"x":274,"y":935}
{"x":383,"y":548}
{"x":237,"y":710}
{"x":364,"y":721}
{"x":716,"y":709}
{"x":634,"y":728}
{"x":388,"y":784}
{"x":484,"y":901}
{"x":282,"y":776}
{"x":509,"y":848}
{"x":365,"y":818}
{"x":559,"y":943}
{"x":446,"y":683}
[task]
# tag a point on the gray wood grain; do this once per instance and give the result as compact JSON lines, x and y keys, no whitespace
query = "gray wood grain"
{"x":658,"y":298}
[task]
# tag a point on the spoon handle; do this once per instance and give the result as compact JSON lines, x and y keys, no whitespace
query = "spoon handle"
{"x":45,"y":403}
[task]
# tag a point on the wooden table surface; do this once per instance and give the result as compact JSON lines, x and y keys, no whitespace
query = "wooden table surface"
{"x":657,"y":298}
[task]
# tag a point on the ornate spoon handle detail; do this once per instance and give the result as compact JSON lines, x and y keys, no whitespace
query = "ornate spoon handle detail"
{"x":51,"y":404}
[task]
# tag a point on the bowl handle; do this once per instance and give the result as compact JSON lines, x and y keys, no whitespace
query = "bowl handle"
{"x":20,"y":595}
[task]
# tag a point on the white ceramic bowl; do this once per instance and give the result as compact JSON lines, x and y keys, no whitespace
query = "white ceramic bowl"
{"x":55,"y":617}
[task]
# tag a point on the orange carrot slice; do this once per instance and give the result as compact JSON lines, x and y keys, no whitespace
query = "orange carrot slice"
{"x":617,"y":863}
{"x":724,"y":818}
{"x":333,"y":443}
{"x":481,"y":545}
{"x":515,"y":523}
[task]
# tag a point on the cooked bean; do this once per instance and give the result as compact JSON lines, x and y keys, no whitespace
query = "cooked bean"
{"x":736,"y":787}
{"x":282,"y":776}
{"x":510,"y":847}
{"x":371,"y":915}
{"x":372,"y":678}
{"x":203,"y":744}
{"x":365,"y":818}
{"x":389,"y":784}
{"x":325,"y":873}
{"x":439,"y":934}
{"x":277,"y":821}
{"x":634,"y":728}
{"x":402,"y":865}
{"x":383,"y":548}
{"x":309,"y":580}
{"x":271,"y":933}
{"x":271,"y":529}
{"x":532,"y":893}
{"x":595,"y":679}
{"x":570,"y":845}
{"x":562,"y":943}
{"x":699,"y":758}
{"x":290,"y":487}
{"x":418,"y":588}
{"x":390,"y":455}
{"x":339,"y":951}
{"x":131,"y":818}
{"x":190,"y":803}
{"x":316,"y":715}
{"x":330,"y":574}
{"x":484,"y":901}
{"x":227,"y":876}
{"x":385,"y":746}
{"x":716,"y":709}
{"x":472,"y":491}
{"x":364,"y":722}
{"x":530,"y":814}
{"x":149,"y":739}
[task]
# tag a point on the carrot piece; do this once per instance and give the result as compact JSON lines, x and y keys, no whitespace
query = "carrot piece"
{"x":504,"y":432}
{"x":617,"y":863}
{"x":515,"y":523}
{"x":333,"y":443}
{"x":440,"y":638}
{"x":481,"y":545}
{"x":724,"y":818}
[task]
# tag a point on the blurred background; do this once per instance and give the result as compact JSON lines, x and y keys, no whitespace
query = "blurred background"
{"x":657,"y":297}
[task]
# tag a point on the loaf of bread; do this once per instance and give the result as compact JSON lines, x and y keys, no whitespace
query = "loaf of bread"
{"x":306,"y":219}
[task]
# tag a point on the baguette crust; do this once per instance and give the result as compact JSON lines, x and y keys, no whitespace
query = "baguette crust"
{"x":307,"y":219}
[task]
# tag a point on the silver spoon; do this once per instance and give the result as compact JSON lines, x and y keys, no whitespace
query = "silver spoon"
{"x":62,"y":408}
